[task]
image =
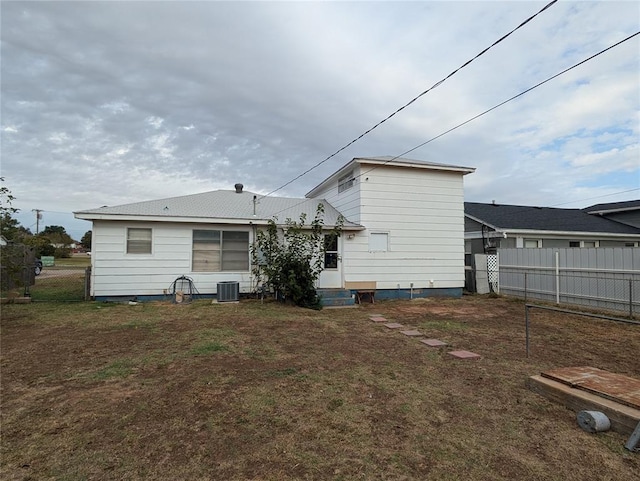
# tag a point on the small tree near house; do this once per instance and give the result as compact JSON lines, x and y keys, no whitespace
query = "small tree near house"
{"x":289,"y":260}
{"x":86,"y":240}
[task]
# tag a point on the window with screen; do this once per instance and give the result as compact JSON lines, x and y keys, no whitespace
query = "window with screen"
{"x":215,"y":250}
{"x":346,"y":181}
{"x":138,"y":241}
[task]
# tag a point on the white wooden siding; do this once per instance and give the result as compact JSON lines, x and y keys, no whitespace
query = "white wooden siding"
{"x":116,"y":273}
{"x":347,"y":202}
{"x":423,"y":213}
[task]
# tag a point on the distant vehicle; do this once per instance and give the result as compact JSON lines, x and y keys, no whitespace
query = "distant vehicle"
{"x":37,"y":269}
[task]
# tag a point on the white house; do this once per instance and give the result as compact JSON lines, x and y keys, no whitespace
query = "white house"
{"x":404,"y":233}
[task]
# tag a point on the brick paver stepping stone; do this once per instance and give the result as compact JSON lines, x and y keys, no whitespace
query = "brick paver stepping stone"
{"x":464,"y":354}
{"x":378,"y":319}
{"x":433,"y":342}
{"x":411,"y":333}
{"x":393,"y":325}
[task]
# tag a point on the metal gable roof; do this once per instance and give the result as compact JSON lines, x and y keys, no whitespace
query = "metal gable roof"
{"x":518,"y":217}
{"x":221,"y":205}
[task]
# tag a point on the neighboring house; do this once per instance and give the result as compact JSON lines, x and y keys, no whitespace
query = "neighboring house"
{"x":624,"y":212}
{"x":491,"y":226}
{"x":404,"y":233}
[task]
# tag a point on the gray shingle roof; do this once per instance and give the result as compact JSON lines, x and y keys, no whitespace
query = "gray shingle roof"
{"x":223,"y":205}
{"x":520,"y":217}
{"x":614,"y":206}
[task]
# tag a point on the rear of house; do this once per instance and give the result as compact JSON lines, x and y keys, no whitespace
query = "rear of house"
{"x":403,"y":234}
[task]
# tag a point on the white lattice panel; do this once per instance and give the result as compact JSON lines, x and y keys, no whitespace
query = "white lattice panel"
{"x":492,"y":270}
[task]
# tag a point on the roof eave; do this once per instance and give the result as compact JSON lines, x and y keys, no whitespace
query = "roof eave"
{"x":516,"y":232}
{"x":612,"y":211}
{"x":194,"y":220}
{"x":480,"y":221}
{"x":164,"y":218}
{"x":393,"y":163}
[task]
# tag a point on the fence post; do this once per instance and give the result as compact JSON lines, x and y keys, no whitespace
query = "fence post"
{"x":526,"y":328}
{"x":525,"y":287}
{"x":557,"y":277}
{"x":26,"y":279}
{"x":87,"y":284}
{"x":631,"y":298}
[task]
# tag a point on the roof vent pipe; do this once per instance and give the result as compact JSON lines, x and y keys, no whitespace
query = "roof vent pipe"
{"x":238,"y":188}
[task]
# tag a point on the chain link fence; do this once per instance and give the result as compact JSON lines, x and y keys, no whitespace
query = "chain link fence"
{"x":603,"y":279}
{"x":593,"y":291}
{"x":63,"y":283}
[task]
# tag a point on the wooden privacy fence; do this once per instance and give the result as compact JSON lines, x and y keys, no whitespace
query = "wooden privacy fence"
{"x":601,"y":278}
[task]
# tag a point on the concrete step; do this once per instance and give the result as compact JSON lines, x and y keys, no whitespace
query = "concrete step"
{"x":336,"y":297}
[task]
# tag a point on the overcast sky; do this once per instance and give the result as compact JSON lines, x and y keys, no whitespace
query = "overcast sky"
{"x":106,"y":103}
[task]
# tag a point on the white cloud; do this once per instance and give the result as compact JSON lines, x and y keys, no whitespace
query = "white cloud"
{"x":172,"y":98}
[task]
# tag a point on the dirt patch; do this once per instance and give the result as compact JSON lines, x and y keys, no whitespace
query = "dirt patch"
{"x":265,"y":391}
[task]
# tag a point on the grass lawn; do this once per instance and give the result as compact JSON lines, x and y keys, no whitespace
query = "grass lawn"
{"x":270,"y":392}
{"x":76,"y":260}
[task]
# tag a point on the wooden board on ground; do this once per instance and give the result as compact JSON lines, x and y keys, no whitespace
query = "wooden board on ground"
{"x":623,"y":418}
{"x":617,"y":387}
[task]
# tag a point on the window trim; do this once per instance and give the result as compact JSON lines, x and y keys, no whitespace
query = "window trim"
{"x":537,"y":241}
{"x":221,"y":251}
{"x":128,"y":240}
{"x":346,"y":181}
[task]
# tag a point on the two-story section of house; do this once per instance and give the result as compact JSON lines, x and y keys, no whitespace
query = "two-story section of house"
{"x":413,"y":217}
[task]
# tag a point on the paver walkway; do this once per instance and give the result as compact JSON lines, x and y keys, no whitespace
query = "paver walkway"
{"x":460,"y":354}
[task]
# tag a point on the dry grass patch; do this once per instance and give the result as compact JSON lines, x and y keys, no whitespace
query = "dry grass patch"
{"x":265,"y":391}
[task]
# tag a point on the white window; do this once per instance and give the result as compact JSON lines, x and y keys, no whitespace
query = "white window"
{"x":138,"y":241}
{"x":584,"y":244}
{"x":346,"y":181}
{"x":235,"y":251}
{"x":378,"y":241}
{"x":215,"y":251}
{"x":532,"y":243}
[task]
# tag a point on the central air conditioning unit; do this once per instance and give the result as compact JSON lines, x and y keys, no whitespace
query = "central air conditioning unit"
{"x":228,"y":291}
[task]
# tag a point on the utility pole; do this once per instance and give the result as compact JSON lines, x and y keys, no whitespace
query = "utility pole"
{"x":38,"y":218}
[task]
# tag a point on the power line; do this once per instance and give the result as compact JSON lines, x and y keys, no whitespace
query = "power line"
{"x":597,"y":197}
{"x":475,"y":117}
{"x":440,"y":82}
{"x":492,"y":109}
